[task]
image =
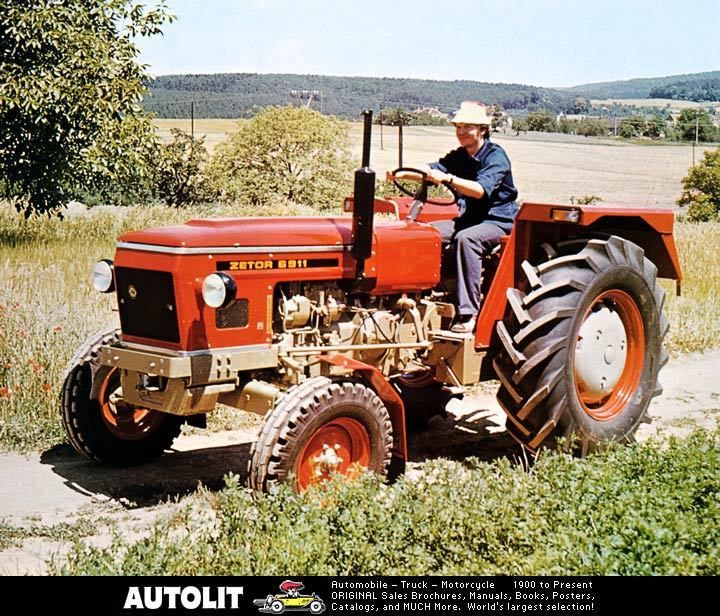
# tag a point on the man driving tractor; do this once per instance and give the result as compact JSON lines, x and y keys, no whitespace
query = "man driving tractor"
{"x":480,"y":171}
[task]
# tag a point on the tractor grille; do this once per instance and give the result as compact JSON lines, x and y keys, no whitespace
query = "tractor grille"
{"x":146,"y":300}
{"x":234,"y":315}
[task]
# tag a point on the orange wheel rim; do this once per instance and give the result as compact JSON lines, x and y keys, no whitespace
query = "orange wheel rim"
{"x":609,"y":355}
{"x":340,"y":446}
{"x":125,"y":421}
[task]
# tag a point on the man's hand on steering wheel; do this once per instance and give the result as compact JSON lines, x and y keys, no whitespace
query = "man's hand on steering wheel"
{"x":426,"y":176}
{"x":439,"y":177}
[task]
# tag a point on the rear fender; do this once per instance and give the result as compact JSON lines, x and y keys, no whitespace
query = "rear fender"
{"x":538,"y":224}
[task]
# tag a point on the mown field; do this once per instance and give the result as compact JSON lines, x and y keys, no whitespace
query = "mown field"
{"x":660,"y":103}
{"x":547,"y":168}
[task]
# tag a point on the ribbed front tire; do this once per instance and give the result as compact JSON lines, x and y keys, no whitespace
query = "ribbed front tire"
{"x":99,"y":424}
{"x":319,"y":428}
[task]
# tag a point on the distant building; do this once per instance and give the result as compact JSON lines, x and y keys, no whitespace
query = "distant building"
{"x":433,"y":112}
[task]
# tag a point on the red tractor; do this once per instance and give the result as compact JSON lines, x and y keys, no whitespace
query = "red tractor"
{"x":337,"y":331}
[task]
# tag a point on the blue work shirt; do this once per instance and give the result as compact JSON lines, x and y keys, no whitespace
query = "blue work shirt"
{"x":490,"y":167}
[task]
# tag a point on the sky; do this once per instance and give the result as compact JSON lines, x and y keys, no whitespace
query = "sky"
{"x":550,"y":43}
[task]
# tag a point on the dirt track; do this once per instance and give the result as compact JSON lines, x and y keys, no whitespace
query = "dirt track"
{"x":57,"y":486}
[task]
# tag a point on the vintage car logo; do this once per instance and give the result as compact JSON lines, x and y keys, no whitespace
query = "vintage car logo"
{"x":290,"y":599}
{"x":132,"y":292}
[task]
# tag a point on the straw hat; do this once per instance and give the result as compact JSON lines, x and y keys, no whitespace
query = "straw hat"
{"x":472,"y":113}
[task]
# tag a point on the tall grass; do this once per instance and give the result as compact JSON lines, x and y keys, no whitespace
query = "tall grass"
{"x":695,"y":315}
{"x":649,"y":509}
{"x":47,"y":307}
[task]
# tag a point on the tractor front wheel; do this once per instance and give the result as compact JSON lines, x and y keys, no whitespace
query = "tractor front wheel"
{"x":582,"y":347}
{"x":99,"y":423}
{"x":320,"y":428}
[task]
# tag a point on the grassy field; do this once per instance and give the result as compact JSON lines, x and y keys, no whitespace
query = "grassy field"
{"x":661,"y":103}
{"x":547,"y":168}
{"x":214,"y":130}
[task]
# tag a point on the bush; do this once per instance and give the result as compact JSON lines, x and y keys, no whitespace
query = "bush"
{"x":289,"y":154}
{"x":640,"y":510}
{"x":588,"y":127}
{"x":701,"y":188}
{"x":702,"y":210}
{"x":178,"y":177}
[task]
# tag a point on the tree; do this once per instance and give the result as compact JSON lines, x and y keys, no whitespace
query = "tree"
{"x":701,"y":188}
{"x":632,"y":126}
{"x":70,"y":87}
{"x":694,"y":119}
{"x":291,"y":154}
{"x":543,"y":121}
{"x":394,"y":116}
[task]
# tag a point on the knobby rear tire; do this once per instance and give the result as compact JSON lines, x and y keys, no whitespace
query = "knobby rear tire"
{"x":536,"y":363}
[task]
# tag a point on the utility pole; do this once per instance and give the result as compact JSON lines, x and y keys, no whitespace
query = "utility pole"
{"x":380,"y":120}
{"x":697,"y":129}
{"x":308,"y":95}
{"x":400,"y":140}
{"x":192,"y":118}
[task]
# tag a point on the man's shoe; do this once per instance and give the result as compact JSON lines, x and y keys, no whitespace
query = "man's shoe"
{"x":466,"y":325}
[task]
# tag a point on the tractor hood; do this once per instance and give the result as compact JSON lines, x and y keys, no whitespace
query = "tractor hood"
{"x":258,"y":232}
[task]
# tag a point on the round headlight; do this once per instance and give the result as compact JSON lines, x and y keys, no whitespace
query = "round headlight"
{"x":218,"y":290}
{"x":102,"y":276}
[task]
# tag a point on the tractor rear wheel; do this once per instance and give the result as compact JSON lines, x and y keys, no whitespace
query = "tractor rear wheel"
{"x":582,"y":348}
{"x":99,"y":424}
{"x":319,"y":428}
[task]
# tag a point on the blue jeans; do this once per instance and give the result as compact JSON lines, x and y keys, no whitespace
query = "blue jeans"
{"x":471,"y":244}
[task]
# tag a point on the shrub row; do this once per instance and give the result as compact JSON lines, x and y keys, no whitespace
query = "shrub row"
{"x":651,"y":509}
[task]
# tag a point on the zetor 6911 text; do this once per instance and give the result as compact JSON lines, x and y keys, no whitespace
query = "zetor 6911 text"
{"x":337,"y":330}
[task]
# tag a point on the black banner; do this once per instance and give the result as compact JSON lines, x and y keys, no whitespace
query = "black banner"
{"x":364,"y":595}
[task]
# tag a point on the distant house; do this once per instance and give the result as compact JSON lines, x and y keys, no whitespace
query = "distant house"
{"x":433,"y":112}
{"x":576,"y":117}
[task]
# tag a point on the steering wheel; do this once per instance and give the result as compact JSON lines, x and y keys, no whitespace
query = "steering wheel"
{"x":421,"y":193}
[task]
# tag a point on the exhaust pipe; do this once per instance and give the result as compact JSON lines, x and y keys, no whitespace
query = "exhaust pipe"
{"x":363,"y":210}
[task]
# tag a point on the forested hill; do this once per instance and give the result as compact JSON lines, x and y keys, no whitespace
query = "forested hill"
{"x":696,"y":87}
{"x":231,"y":95}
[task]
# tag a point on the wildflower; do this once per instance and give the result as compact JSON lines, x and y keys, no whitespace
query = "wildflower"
{"x":36,"y":366}
{"x":6,"y":392}
{"x":46,"y":387}
{"x":22,"y":334}
{"x":57,"y":328}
